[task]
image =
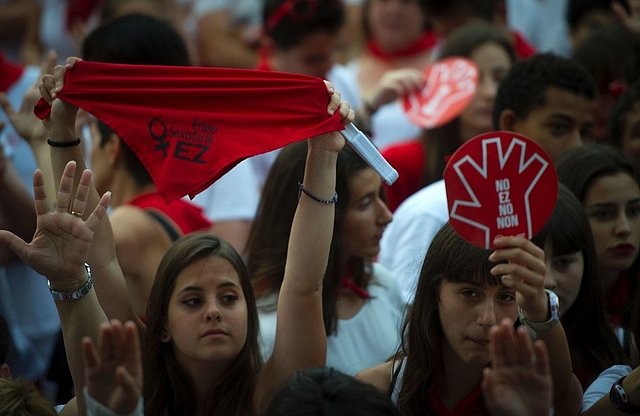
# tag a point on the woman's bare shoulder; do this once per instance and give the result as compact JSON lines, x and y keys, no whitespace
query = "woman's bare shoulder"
{"x":378,"y":376}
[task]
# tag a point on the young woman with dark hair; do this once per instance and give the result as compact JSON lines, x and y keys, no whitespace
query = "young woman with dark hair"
{"x":464,"y":291}
{"x":572,"y":273}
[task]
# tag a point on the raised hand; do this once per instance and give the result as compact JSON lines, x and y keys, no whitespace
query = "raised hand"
{"x":61,"y":123}
{"x":113,"y":371}
{"x":334,"y":142}
{"x":518,"y":383}
{"x":395,"y":84}
{"x":524,"y":272}
{"x":61,"y":243}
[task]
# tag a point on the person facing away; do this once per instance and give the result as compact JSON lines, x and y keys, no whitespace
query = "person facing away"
{"x":144,"y":226}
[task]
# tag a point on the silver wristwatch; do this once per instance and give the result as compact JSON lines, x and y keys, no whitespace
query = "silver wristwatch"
{"x":554,"y":309}
{"x":78,"y":294}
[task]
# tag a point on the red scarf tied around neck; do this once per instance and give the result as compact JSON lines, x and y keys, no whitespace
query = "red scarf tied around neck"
{"x":191,"y":125}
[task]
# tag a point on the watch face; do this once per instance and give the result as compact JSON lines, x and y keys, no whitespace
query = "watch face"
{"x":615,"y":400}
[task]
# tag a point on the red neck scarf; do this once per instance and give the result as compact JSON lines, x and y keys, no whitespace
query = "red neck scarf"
{"x":426,"y":42}
{"x":618,"y":302}
{"x":348,"y":283}
{"x":10,"y":72}
{"x":191,"y":125}
{"x":263,"y":60}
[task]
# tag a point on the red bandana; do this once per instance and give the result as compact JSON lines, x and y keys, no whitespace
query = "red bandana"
{"x":191,"y":125}
{"x":428,"y":41}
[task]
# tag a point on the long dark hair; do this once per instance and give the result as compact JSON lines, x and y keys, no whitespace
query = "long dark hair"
{"x":269,"y":236}
{"x":167,"y":388}
{"x":593,"y":344}
{"x":451,"y":259}
{"x":579,"y":168}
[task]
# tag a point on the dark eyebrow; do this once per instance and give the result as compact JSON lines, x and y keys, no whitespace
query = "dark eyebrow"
{"x":562,"y":116}
{"x":224,"y":284}
{"x":611,"y":204}
{"x":602,"y":205}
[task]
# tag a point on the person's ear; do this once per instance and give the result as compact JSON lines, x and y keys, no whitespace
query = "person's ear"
{"x":5,"y":371}
{"x":507,"y":120}
{"x":113,"y":147}
{"x":165,"y":337}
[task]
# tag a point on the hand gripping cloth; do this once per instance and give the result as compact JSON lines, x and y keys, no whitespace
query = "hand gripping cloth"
{"x":191,"y":125}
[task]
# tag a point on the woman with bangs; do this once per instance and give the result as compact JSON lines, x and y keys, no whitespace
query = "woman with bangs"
{"x":464,"y":291}
{"x":572,"y":274}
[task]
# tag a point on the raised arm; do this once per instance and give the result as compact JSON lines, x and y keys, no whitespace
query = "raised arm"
{"x":58,"y":251}
{"x":525,"y":273}
{"x":300,"y":335}
{"x":60,"y":126}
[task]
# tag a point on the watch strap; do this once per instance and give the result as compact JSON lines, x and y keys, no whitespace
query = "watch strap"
{"x":620,"y":400}
{"x":554,"y":310}
{"x":78,"y":294}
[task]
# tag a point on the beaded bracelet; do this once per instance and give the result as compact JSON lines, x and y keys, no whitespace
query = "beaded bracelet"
{"x":315,"y":198}
{"x":64,"y":144}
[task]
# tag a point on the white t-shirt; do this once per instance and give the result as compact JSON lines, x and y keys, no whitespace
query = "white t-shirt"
{"x":367,"y":339}
{"x":405,"y":242}
{"x":543,"y":23}
{"x":233,"y":197}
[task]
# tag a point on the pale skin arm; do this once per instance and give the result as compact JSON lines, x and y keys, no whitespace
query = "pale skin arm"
{"x":631,"y":385}
{"x":59,"y":249}
{"x":300,"y":335}
{"x":108,"y":277}
{"x":525,"y":273}
{"x":518,"y":383}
